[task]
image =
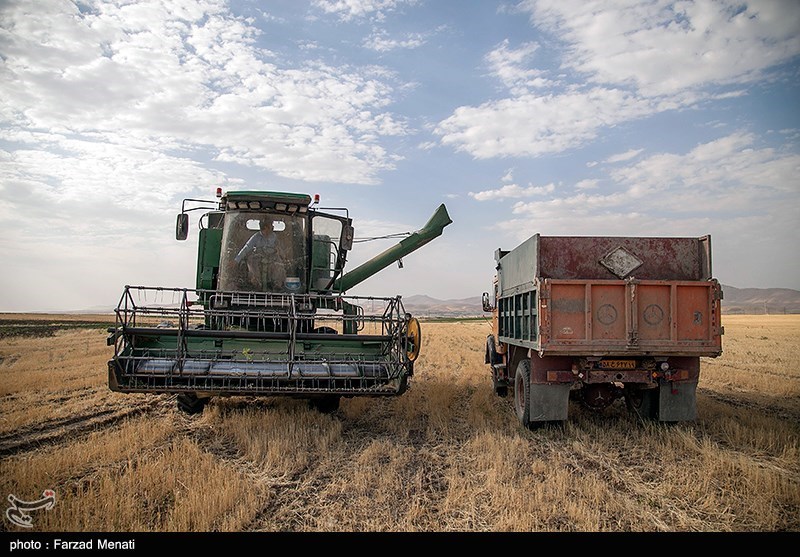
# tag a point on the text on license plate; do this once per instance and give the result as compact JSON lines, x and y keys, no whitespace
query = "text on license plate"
{"x":618,"y":364}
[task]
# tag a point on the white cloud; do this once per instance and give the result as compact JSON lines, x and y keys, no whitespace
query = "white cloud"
{"x":80,"y":189}
{"x":166,"y":75}
{"x":725,"y":181}
{"x":728,"y":174}
{"x":664,"y":48}
{"x":627,"y":61}
{"x":380,"y":42}
{"x":532,"y":125}
{"x":512,"y":191}
{"x":348,"y":10}
{"x":509,"y":65}
{"x":588,"y":184}
{"x":626,"y":156}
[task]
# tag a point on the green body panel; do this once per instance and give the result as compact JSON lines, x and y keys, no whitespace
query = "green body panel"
{"x":321,"y":259}
{"x":298,"y":198}
{"x":208,"y":252}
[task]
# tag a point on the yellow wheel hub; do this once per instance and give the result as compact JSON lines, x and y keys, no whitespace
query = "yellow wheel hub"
{"x":413,"y":339}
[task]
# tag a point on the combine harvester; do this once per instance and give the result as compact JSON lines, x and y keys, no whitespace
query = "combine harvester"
{"x":268,"y":315}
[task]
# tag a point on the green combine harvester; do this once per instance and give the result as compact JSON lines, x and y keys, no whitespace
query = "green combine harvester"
{"x":269,"y":314}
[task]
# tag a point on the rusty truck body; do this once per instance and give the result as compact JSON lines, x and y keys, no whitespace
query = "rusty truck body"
{"x":596,"y":319}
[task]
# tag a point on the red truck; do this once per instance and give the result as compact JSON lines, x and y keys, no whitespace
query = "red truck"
{"x":595,"y":319}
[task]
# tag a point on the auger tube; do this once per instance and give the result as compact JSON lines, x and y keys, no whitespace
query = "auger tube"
{"x":432,"y":229}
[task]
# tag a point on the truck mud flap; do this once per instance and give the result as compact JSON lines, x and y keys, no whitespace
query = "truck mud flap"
{"x":549,"y":403}
{"x":677,"y":401}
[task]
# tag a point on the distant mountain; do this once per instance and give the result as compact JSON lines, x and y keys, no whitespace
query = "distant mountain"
{"x":425,"y":306}
{"x":760,"y":300}
{"x":735,"y":300}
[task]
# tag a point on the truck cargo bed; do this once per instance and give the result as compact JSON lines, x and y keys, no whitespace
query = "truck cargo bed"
{"x":614,"y":317}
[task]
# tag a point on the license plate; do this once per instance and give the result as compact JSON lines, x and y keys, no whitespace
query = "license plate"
{"x":618,"y":364}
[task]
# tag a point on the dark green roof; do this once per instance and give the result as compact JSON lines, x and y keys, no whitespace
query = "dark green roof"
{"x":278,"y":196}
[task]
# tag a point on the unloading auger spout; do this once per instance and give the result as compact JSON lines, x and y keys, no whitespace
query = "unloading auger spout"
{"x":432,"y":229}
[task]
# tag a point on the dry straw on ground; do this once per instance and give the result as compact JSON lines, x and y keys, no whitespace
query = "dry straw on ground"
{"x":448,"y":455}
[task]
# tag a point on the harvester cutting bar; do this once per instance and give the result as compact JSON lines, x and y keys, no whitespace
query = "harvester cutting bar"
{"x":172,"y":340}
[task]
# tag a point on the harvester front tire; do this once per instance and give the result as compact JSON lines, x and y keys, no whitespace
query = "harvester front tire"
{"x":326,"y":404}
{"x":522,"y":393}
{"x":190,"y":403}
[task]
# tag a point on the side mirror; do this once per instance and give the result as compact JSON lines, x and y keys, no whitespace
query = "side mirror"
{"x":487,"y":304}
{"x":182,"y":227}
{"x":347,"y":237}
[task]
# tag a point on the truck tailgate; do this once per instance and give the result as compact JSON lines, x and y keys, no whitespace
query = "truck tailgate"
{"x":633,"y":317}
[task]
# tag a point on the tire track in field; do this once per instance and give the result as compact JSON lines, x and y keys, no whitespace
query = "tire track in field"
{"x":779,"y":412}
{"x":782,"y":375}
{"x":296,"y":501}
{"x":54,"y":397}
{"x":225,"y":452}
{"x":69,"y":428}
{"x":301,"y":501}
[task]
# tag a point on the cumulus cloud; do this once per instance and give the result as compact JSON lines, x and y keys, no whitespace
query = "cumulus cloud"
{"x":588,"y":184}
{"x":621,"y":62}
{"x":511,"y":67}
{"x":512,"y":191}
{"x":727,"y":180}
{"x":380,"y":41}
{"x":348,"y":10}
{"x":662,"y":48}
{"x":169,"y":75}
{"x":534,"y":125}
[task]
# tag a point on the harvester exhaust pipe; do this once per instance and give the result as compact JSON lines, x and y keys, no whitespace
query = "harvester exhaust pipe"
{"x":432,"y":229}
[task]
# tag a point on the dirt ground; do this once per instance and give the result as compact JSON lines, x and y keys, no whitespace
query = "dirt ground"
{"x":447,"y":456}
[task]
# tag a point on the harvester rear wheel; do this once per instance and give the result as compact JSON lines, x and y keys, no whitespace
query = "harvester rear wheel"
{"x":190,"y":403}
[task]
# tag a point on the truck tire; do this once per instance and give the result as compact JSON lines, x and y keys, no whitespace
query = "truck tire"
{"x":642,"y":403}
{"x":522,"y":393}
{"x":190,"y":403}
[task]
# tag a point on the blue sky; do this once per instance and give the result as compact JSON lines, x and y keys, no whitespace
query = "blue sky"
{"x":558,"y":117}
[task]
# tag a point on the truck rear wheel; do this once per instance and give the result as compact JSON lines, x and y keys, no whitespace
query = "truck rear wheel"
{"x":642,"y":402}
{"x":522,"y":393}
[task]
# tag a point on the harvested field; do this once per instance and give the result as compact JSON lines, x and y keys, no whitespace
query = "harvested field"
{"x":447,"y":456}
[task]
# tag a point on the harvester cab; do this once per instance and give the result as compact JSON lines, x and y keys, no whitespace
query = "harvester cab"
{"x":269,"y":314}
